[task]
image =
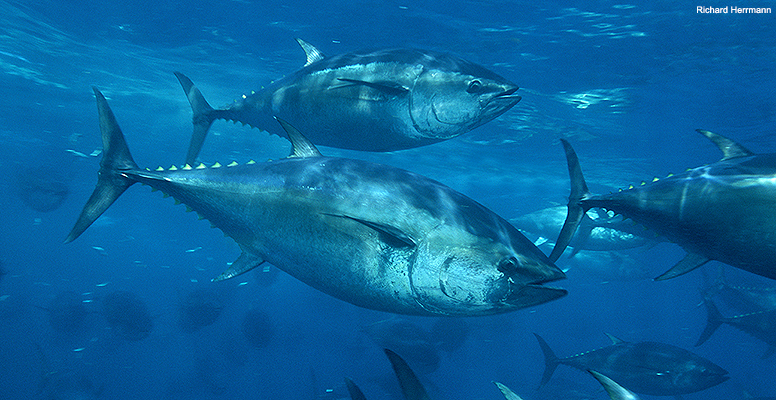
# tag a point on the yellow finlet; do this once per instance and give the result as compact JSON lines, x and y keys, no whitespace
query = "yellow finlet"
{"x":643,"y":183}
{"x":173,"y":168}
{"x":189,"y":209}
{"x":655,"y":179}
{"x":251,"y":162}
{"x":216,"y":165}
{"x":232,"y":164}
{"x":630,"y":187}
{"x":201,"y":166}
{"x":159,"y":169}
{"x":187,"y":167}
{"x":177,"y":202}
{"x":165,"y":195}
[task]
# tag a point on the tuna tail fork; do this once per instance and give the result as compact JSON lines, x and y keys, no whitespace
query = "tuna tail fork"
{"x":202,"y":118}
{"x":713,"y":320}
{"x":550,"y":360}
{"x":112,"y":179}
{"x":575,"y":210}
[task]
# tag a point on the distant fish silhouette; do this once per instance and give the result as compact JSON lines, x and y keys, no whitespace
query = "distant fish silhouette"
{"x":717,"y":212}
{"x":645,"y":367}
{"x":257,"y":328}
{"x":199,"y":309}
{"x":66,"y":312}
{"x":760,"y":324}
{"x":127,"y":315}
{"x":41,"y":189}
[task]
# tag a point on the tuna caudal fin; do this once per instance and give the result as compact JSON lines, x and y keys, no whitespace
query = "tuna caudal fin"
{"x":409,"y":382}
{"x":112,"y":180}
{"x":575,"y":210}
{"x":550,"y":360}
{"x":713,"y":320}
{"x":202,"y":118}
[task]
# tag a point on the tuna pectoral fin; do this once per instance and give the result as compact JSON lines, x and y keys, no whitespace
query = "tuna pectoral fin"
{"x":687,"y":264}
{"x":713,"y":320}
{"x":355,"y":391}
{"x":507,"y":392}
{"x":389,"y":234}
{"x":387,"y":87}
{"x":112,"y":180}
{"x":241,"y":265}
{"x":202,"y":118}
{"x":550,"y":360}
{"x":411,"y":387}
{"x":575,"y":210}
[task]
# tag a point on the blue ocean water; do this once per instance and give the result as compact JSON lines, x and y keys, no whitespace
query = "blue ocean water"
{"x":627,"y":84}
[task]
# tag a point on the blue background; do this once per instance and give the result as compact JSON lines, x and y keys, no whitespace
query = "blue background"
{"x":627,"y":84}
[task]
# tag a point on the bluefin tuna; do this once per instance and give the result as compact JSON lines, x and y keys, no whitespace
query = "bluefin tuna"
{"x":724,"y":211}
{"x":376,"y":236}
{"x":369,"y":100}
{"x":652,"y":368}
{"x":760,"y":324}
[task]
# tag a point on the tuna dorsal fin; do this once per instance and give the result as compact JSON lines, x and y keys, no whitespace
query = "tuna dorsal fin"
{"x":301,"y":147}
{"x":387,"y":87}
{"x":395,"y":236}
{"x":729,"y":148}
{"x":615,"y":340}
{"x":311,"y":52}
{"x":246,"y":262}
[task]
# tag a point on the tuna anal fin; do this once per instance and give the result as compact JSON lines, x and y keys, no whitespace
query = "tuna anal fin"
{"x":241,"y":265}
{"x":687,"y":264}
{"x":395,"y":235}
{"x":410,"y":385}
{"x":391,"y":88}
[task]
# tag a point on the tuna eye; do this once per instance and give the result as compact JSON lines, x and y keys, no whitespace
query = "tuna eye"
{"x":507,"y":266}
{"x":475,"y":86}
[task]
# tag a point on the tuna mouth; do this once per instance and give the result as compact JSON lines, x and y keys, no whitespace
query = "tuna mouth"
{"x":508,"y":95}
{"x":502,"y":102}
{"x":532,"y":295}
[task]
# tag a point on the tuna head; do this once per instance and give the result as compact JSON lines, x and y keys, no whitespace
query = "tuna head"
{"x":479,"y":276}
{"x":447,"y":102}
